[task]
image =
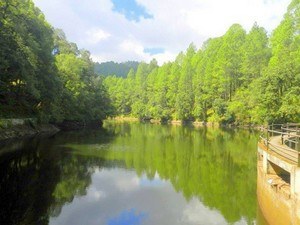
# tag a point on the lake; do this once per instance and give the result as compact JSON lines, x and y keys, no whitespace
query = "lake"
{"x":131,"y":174}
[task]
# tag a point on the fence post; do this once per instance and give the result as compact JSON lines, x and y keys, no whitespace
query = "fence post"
{"x":267,"y":137}
{"x":272,"y":127}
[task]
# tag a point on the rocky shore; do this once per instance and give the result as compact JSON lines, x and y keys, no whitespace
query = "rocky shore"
{"x":19,"y":128}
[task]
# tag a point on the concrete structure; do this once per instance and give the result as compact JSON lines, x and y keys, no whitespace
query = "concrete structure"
{"x":278,"y":180}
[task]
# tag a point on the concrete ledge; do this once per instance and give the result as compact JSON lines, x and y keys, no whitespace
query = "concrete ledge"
{"x":275,"y":206}
{"x":276,"y":159}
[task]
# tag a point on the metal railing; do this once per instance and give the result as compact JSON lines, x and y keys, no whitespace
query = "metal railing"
{"x":283,"y":139}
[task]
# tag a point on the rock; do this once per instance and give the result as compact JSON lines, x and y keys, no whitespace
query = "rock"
{"x":18,"y":128}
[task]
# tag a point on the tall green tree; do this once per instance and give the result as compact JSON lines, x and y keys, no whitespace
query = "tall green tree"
{"x":84,"y":95}
{"x":281,"y":95}
{"x":28,"y":75}
{"x":239,"y":77}
{"x":244,"y":107}
{"x":185,"y":97}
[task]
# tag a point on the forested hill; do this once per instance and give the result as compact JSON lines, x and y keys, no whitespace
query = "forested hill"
{"x":239,"y":77}
{"x":42,"y":74}
{"x":113,"y":68}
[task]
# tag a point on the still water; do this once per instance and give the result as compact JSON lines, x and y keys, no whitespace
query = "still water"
{"x":131,"y":174}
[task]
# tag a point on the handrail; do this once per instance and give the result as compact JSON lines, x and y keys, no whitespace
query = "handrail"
{"x":288,"y":129}
{"x":285,"y":133}
{"x":289,"y":143}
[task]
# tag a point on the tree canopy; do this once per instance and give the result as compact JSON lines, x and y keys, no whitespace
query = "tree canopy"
{"x":42,"y":74}
{"x":241,"y":77}
{"x":113,"y":68}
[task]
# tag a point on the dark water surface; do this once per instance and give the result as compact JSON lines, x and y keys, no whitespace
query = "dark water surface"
{"x":131,"y":174}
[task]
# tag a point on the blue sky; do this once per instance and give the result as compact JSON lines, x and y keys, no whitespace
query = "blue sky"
{"x":127,"y":217}
{"x":154,"y":51}
{"x":131,"y":9}
{"x":140,"y":30}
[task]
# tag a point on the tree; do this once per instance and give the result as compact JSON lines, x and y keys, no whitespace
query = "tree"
{"x":282,"y":75}
{"x":238,"y":77}
{"x":28,"y":76}
{"x":185,"y":97}
{"x":84,"y":96}
{"x":257,"y":54}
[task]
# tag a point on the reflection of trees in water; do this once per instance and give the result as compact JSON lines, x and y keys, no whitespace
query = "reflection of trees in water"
{"x":217,"y":166}
{"x":39,"y":178}
{"x":214,"y":165}
{"x":27,"y":179}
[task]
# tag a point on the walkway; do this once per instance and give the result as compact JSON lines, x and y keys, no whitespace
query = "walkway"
{"x":275,"y":145}
{"x":283,"y":141}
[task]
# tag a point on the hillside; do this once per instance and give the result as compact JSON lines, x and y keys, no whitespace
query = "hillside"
{"x":113,"y":68}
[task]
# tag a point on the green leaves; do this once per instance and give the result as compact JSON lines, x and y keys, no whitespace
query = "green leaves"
{"x":84,"y":96}
{"x":235,"y":78}
{"x":281,"y":95}
{"x":33,"y":83}
{"x":238,"y":77}
{"x":25,"y":56}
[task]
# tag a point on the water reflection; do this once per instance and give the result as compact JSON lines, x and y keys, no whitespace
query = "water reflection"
{"x":216,"y":166}
{"x":132,"y":174}
{"x":118,"y":196}
{"x":32,"y":178}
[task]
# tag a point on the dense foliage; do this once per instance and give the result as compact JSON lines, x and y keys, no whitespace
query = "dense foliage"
{"x":42,"y":74}
{"x":239,"y":77}
{"x":113,"y":68}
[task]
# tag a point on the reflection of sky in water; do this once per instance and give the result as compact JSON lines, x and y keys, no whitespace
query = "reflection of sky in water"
{"x":156,"y":182}
{"x":127,"y":217}
{"x":120,"y":197}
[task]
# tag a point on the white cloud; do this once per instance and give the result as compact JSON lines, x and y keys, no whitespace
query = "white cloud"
{"x":132,"y":46}
{"x":196,"y":213}
{"x":164,"y":57}
{"x":96,"y":35}
{"x":108,"y":35}
{"x":94,"y":195}
{"x":128,"y":183}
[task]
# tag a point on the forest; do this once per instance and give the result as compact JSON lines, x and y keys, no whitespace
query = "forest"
{"x":113,"y":68}
{"x":241,"y":77}
{"x":42,"y":74}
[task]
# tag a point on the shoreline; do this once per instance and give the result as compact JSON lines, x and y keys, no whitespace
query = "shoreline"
{"x":128,"y":119}
{"x":22,"y":128}
{"x":26,"y":130}
{"x":29,"y":127}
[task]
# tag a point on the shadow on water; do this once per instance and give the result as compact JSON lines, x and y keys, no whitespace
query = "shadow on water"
{"x":38,"y":176}
{"x":216,"y":166}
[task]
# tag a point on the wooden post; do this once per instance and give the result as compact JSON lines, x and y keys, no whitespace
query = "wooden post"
{"x":272,"y":127}
{"x":282,"y":133}
{"x":297,"y":138}
{"x":268,"y":137}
